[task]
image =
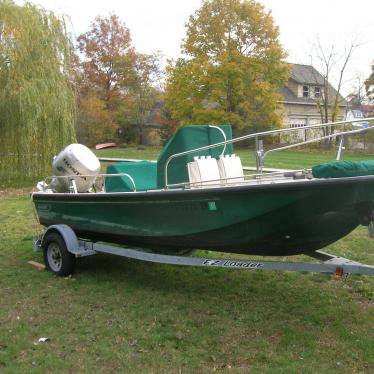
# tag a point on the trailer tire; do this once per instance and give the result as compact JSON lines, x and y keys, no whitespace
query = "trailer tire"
{"x":57,"y":258}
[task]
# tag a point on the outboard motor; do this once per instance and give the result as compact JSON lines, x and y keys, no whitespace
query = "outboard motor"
{"x":75,"y":160}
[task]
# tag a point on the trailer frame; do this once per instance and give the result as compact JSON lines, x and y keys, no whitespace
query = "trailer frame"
{"x":75,"y":247}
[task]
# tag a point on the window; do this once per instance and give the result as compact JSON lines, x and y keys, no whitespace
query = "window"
{"x":297,"y":125}
{"x":305,"y":91}
{"x":357,"y":114}
{"x":317,"y":92}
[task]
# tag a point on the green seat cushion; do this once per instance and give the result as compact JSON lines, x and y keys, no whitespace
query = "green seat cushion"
{"x":144,"y":174}
{"x":341,"y":169}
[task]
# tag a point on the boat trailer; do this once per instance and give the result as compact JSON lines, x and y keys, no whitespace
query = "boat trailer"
{"x":61,"y":247}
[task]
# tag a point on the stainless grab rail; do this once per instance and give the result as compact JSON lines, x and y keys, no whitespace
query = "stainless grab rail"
{"x":271,"y":132}
{"x":223,"y":134}
{"x":314,"y":141}
{"x":121,"y":175}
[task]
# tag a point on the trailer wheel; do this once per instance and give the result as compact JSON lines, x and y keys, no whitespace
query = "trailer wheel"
{"x":57,"y":258}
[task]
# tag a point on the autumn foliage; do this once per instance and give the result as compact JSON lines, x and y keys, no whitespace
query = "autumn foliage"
{"x":230,"y":73}
{"x":115,"y":82}
{"x":232,"y":69}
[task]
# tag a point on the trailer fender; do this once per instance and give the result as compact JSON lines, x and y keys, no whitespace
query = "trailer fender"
{"x":67,"y":234}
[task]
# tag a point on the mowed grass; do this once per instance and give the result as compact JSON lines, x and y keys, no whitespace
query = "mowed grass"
{"x":122,"y":316}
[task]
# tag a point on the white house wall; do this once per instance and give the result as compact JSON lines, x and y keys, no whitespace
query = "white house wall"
{"x":297,"y":115}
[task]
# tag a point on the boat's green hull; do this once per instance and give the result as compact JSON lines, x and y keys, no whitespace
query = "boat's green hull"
{"x":271,"y":219}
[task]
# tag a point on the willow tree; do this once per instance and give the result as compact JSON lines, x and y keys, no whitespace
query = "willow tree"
{"x":232,"y":69}
{"x":37,"y":103}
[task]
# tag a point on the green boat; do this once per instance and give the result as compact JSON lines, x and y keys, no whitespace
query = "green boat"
{"x":198,"y":196}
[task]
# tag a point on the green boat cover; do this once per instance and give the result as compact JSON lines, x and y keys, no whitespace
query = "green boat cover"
{"x":341,"y":169}
{"x":144,"y":174}
{"x":187,"y":138}
{"x":151,"y":175}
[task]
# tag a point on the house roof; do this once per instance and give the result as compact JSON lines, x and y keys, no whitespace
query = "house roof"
{"x":367,"y":108}
{"x":306,"y":74}
{"x":290,"y":97}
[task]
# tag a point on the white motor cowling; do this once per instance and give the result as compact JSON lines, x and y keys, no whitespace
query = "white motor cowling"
{"x":75,"y":160}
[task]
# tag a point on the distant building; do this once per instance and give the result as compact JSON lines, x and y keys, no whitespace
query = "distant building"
{"x":301,"y":96}
{"x":359,"y":111}
{"x":150,"y":133}
{"x":354,"y":114}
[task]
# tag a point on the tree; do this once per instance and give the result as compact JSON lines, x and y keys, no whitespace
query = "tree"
{"x":100,"y":90}
{"x":115,"y":81}
{"x":107,"y":42}
{"x":37,"y":103}
{"x":357,"y":95}
{"x":331,"y":63}
{"x":369,"y":84}
{"x":95,"y":121}
{"x":232,"y":69}
{"x":140,"y":76}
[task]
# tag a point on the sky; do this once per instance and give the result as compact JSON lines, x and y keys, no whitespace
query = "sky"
{"x":159,"y":25}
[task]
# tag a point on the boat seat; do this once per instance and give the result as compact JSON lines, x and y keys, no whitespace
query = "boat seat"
{"x":188,"y":138}
{"x":230,"y":169}
{"x":144,"y":174}
{"x":203,"y":171}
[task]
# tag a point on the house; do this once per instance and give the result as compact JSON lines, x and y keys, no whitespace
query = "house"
{"x":302,"y":95}
{"x":359,"y":111}
{"x":150,"y":130}
{"x":356,"y":114}
{"x":300,"y":104}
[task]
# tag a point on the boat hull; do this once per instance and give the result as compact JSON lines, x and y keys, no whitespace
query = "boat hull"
{"x":266,"y":219}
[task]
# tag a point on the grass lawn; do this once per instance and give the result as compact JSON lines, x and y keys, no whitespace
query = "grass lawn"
{"x":122,"y":316}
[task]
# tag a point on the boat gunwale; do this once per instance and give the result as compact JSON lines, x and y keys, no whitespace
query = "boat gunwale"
{"x":298,"y":184}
